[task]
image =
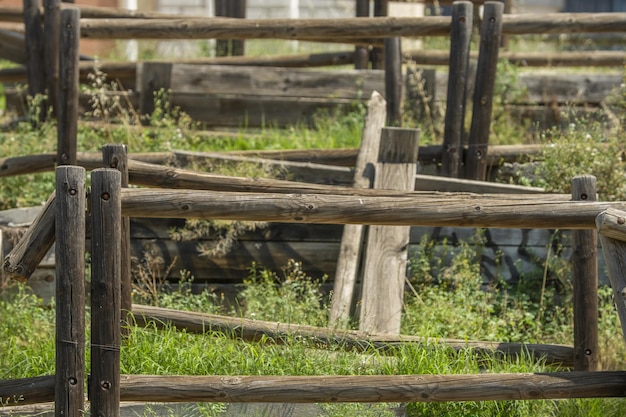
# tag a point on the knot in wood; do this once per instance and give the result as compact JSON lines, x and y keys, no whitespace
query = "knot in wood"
{"x":621,"y":220}
{"x":623,"y":292}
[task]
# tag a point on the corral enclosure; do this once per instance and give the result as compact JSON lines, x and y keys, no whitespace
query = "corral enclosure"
{"x":202,"y":91}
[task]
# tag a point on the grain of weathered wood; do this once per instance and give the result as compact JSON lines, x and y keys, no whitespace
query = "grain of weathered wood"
{"x":585,"y":284}
{"x":34,"y":244}
{"x":388,"y":388}
{"x":352,"y":239}
{"x":104,"y":387}
{"x":345,"y":30}
{"x":13,"y":47}
{"x":614,"y":253}
{"x":70,"y":291}
{"x":34,"y":50}
{"x":454,"y":130}
{"x":384,"y":272}
{"x":612,"y":223}
{"x":256,"y":330}
{"x":67,"y":107}
{"x":530,"y":59}
{"x":490,"y":36}
{"x":394,"y":82}
{"x":281,"y":82}
{"x":116,"y":156}
{"x":24,"y":391}
{"x":480,"y":211}
{"x":51,"y":28}
{"x":392,"y":388}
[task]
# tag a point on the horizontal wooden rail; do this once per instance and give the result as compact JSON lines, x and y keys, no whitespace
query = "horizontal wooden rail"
{"x":256,"y":330}
{"x":333,"y":389}
{"x":349,"y":30}
{"x":530,"y":59}
{"x":412,"y":210}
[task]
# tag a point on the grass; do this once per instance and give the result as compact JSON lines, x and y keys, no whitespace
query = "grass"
{"x":453,"y":301}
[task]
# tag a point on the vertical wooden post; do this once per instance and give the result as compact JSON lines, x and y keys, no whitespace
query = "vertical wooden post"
{"x":585,"y":282}
{"x":361,"y":52}
{"x":155,"y":76}
{"x":352,"y":238}
{"x":381,"y":9}
{"x":460,"y":37}
{"x":490,"y":33}
{"x":70,"y":291}
{"x":34,"y":51}
{"x":51,"y":29}
{"x":235,"y":9}
{"x":238,"y":8}
{"x":67,"y":108}
{"x":393,"y":81}
{"x":611,"y":224}
{"x":106,"y":211}
{"x":116,"y":156}
{"x":385,"y":266}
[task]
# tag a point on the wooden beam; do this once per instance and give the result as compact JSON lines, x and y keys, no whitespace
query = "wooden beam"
{"x":369,"y":388}
{"x":344,"y":30}
{"x":610,"y":224}
{"x":352,"y":238}
{"x":258,"y":330}
{"x":70,"y":291}
{"x":480,"y":211}
{"x":384,"y":272}
{"x":585,"y":283}
{"x":374,"y":388}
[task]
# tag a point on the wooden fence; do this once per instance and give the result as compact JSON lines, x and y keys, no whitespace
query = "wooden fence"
{"x":258,"y":200}
{"x":367,"y":207}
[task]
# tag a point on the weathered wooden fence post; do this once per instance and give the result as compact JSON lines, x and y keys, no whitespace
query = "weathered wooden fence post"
{"x":106,"y":211}
{"x":585,"y":281}
{"x":490,"y":33}
{"x":611,"y":225}
{"x":70,"y":291}
{"x":361,"y":52}
{"x":393,"y":81}
{"x":67,"y":106}
{"x":116,"y":156}
{"x":34,"y":51}
{"x":235,"y":9}
{"x":154,"y":77}
{"x":350,"y":250}
{"x":381,"y":9}
{"x":460,"y":37}
{"x":51,"y":30}
{"x":385,"y":264}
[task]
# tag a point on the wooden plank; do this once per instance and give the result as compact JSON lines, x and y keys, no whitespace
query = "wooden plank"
{"x":611,"y":224}
{"x":454,"y":130}
{"x":52,"y":33}
{"x":393,"y":81}
{"x":13,"y":47}
{"x":352,"y":239}
{"x":67,"y":123}
{"x":292,"y":82}
{"x":70,"y":291}
{"x":392,"y":388}
{"x":34,"y":47}
{"x":585,"y":284}
{"x":434,"y":183}
{"x":530,"y":59}
{"x":369,"y":388}
{"x":467,"y":211}
{"x":257,"y":330}
{"x":104,"y":383}
{"x":343,"y":30}
{"x":490,"y":37}
{"x":116,"y":156}
{"x":614,"y":254}
{"x":384,"y":272}
{"x":34,"y":244}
